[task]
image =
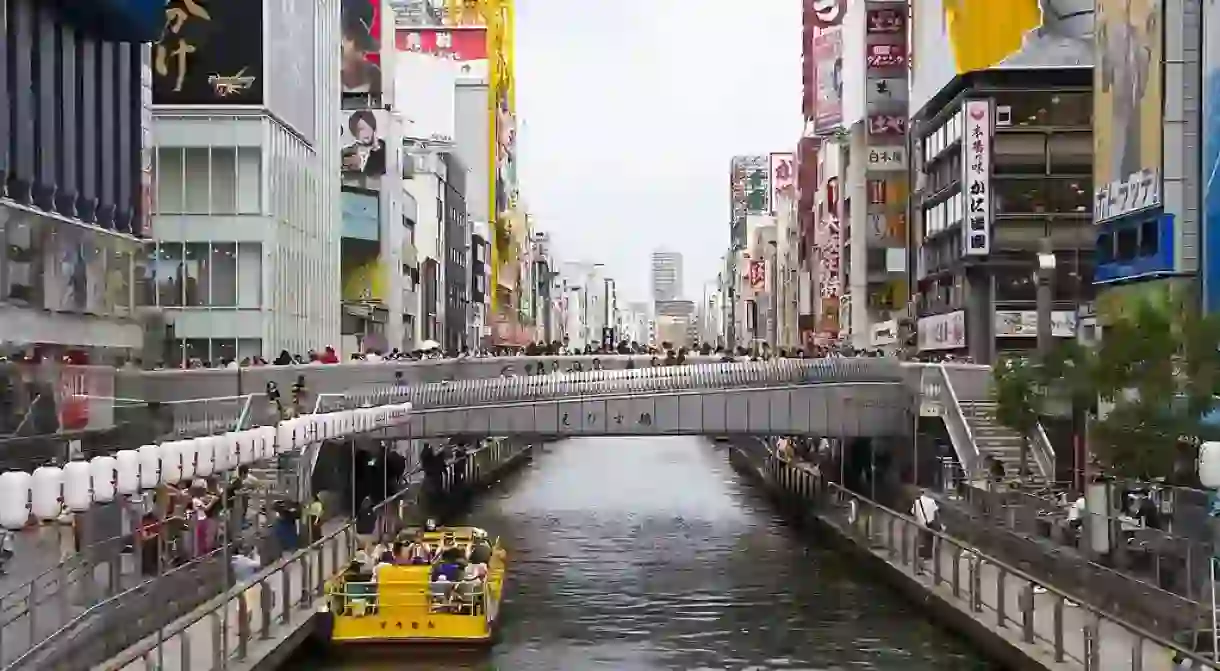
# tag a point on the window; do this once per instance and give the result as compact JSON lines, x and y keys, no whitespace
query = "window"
{"x":1127,"y":244}
{"x":1071,"y":153}
{"x":1105,"y":248}
{"x":223,"y":185}
{"x":208,"y":180}
{"x":222,"y":262}
{"x":1045,"y":108}
{"x":168,"y":273}
{"x":1019,"y":154}
{"x":1050,"y":195}
{"x":1070,"y":195}
{"x":409,"y":233}
{"x":1150,"y":233}
{"x":1016,"y":283}
{"x":195,"y":274}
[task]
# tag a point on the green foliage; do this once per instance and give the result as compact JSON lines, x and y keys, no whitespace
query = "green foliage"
{"x":1153,"y":378}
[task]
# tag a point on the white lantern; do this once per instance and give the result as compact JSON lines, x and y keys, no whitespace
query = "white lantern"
{"x":150,"y":466}
{"x":247,"y":447}
{"x":205,"y":456}
{"x":171,"y":462}
{"x":1209,"y":464}
{"x":222,"y":446}
{"x":14,"y":499}
{"x":47,"y":490}
{"x":364,"y":420}
{"x":78,"y":486}
{"x":188,"y":451}
{"x":102,"y":473}
{"x":127,"y":463}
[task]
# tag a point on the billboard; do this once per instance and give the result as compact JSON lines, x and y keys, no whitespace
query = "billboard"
{"x":828,"y":243}
{"x":749,"y":188}
{"x":828,"y":80}
{"x":361,"y":215}
{"x":782,"y":181}
{"x":985,"y":34}
{"x":1127,"y":107}
{"x":427,"y":86}
{"x":1211,"y":157}
{"x":465,"y":45}
{"x":209,"y":54}
{"x":976,"y":178}
{"x":364,"y":149}
{"x":360,"y":59}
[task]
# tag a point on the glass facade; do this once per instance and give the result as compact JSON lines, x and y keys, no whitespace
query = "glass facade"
{"x":201,"y":274}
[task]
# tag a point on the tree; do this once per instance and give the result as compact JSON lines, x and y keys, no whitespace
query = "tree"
{"x":1153,"y":378}
{"x":1019,"y":391}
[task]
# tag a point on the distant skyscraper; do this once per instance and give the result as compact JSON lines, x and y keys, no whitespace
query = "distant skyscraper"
{"x":666,"y":276}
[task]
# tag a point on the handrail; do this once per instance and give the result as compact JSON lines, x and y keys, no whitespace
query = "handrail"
{"x":956,"y":419}
{"x":178,"y":627}
{"x":1043,"y":451}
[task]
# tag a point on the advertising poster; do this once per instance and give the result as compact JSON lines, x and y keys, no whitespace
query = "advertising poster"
{"x":985,"y":34}
{"x":828,"y":244}
{"x":1127,"y":107}
{"x":465,"y":45}
{"x":828,"y":80}
{"x":428,"y":84}
{"x":209,"y":54}
{"x":364,"y":150}
{"x":1211,"y":157}
{"x":783,"y":181}
{"x":360,"y":62}
{"x":976,"y":178}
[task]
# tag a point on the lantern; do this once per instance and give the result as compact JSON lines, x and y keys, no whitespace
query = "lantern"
{"x":78,"y":486}
{"x":205,"y":456}
{"x":127,"y":464}
{"x":15,"y":499}
{"x":171,"y":462}
{"x":102,"y":474}
{"x":150,"y":466}
{"x":46,"y":492}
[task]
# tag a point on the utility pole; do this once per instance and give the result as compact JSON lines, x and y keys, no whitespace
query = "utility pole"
{"x":1045,"y":278}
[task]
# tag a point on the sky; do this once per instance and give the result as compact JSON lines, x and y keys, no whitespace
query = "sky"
{"x":629,"y":111}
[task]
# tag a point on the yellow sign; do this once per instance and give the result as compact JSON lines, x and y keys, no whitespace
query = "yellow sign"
{"x":983,"y":33}
{"x":365,"y":282}
{"x":1127,"y":106}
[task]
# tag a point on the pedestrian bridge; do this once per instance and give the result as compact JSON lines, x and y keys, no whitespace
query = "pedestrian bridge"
{"x":820,"y":397}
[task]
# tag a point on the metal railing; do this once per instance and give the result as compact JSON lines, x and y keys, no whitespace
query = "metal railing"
{"x":1063,"y":626}
{"x":286,"y":593}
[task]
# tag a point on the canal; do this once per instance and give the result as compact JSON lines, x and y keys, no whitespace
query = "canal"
{"x":641,"y":554}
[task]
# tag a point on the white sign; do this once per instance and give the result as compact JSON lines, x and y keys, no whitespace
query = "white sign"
{"x":885,"y":333}
{"x":887,"y":159}
{"x":1024,"y":324}
{"x":426,"y":88}
{"x":947,"y":331}
{"x":1140,"y":191}
{"x":976,"y":178}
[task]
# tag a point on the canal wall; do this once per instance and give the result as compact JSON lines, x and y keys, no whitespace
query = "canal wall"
{"x":260,"y":624}
{"x":955,"y":591}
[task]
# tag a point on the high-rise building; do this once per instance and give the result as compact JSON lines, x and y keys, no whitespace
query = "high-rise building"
{"x":246,"y":169}
{"x":74,"y":131}
{"x":666,"y":276}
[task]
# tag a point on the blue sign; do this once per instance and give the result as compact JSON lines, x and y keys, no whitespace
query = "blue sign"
{"x":1210,"y":228}
{"x":117,"y":20}
{"x":1139,"y":246}
{"x":361,"y":216}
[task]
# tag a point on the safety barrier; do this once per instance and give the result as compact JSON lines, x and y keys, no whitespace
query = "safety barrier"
{"x":1061,"y":626}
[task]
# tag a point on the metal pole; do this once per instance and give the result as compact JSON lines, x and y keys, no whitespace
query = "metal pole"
{"x":774,"y":308}
{"x":1046,"y":297}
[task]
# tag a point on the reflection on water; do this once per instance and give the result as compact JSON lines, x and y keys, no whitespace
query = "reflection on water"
{"x":651,"y":554}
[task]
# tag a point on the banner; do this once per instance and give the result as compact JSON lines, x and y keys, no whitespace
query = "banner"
{"x":209,"y":54}
{"x":782,"y":181}
{"x":360,"y":57}
{"x":364,"y":150}
{"x":946,"y":331}
{"x":1127,"y":107}
{"x":426,"y":88}
{"x":828,"y":80}
{"x":465,"y":45}
{"x":976,"y":178}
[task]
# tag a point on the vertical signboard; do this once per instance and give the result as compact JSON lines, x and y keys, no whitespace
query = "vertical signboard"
{"x":976,"y":178}
{"x":1211,"y":157}
{"x":360,"y":57}
{"x":209,"y":54}
{"x":828,"y":243}
{"x":828,"y":80}
{"x":782,"y":181}
{"x":1128,"y":115}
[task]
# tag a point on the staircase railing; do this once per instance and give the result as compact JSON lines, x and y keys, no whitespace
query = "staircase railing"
{"x":936,"y":383}
{"x":1043,"y":452}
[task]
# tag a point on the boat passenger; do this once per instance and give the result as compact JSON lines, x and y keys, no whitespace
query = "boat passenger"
{"x":448,"y":567}
{"x":386,"y":559}
{"x":469,"y":589}
{"x":418,"y":552}
{"x":480,"y":549}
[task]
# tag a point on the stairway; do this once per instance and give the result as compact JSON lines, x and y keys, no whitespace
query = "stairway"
{"x":996,"y":440}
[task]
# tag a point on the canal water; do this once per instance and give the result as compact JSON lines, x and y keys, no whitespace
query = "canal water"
{"x":642,"y":554}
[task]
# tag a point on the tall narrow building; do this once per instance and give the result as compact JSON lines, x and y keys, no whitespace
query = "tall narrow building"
{"x":666,"y":276}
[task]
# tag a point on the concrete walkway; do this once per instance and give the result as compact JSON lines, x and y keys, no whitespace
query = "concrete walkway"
{"x":1116,"y":644}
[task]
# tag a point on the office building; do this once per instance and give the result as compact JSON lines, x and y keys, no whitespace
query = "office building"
{"x":74,"y":136}
{"x":246,"y":168}
{"x":666,"y":275}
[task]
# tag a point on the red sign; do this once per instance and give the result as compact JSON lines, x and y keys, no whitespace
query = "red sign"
{"x":757,"y":275}
{"x":458,"y":43}
{"x":826,"y":13}
{"x":886,"y":21}
{"x":887,"y":124}
{"x":886,"y":56}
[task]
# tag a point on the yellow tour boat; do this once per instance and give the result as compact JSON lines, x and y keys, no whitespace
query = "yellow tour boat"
{"x":435,"y":595}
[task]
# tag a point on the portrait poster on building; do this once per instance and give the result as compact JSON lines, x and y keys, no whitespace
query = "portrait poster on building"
{"x":364,"y":148}
{"x":360,"y":60}
{"x":210,"y":53}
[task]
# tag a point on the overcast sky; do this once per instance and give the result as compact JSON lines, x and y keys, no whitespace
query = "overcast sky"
{"x":630,"y":111}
